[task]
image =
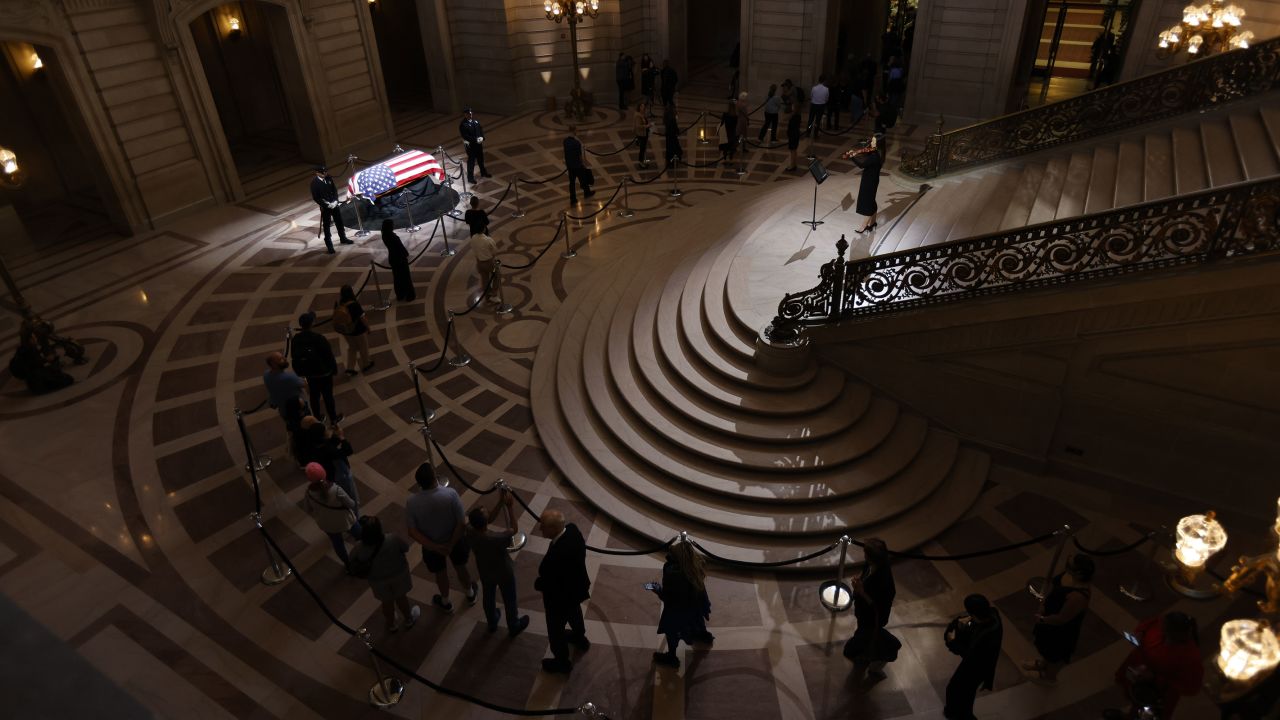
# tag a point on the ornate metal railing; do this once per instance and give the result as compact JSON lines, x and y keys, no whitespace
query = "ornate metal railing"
{"x":1198,"y":85}
{"x":1231,"y":221}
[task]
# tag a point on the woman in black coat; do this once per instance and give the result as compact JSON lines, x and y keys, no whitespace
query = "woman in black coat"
{"x":671,"y":132}
{"x":685,"y":604}
{"x":872,"y":646}
{"x":793,"y":133}
{"x":398,"y":259}
{"x":870,"y":160}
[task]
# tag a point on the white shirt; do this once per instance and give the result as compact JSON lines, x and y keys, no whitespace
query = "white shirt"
{"x":484,"y":247}
{"x":819,"y":95}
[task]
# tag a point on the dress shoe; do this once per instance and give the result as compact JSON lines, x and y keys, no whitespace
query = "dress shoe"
{"x":552,"y":665}
{"x":581,"y":642}
{"x":472,"y":179}
{"x":345,"y":242}
{"x":521,"y":624}
{"x":485,"y":174}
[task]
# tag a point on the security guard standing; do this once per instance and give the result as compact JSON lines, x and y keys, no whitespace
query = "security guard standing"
{"x":473,"y":141}
{"x":325,"y":194}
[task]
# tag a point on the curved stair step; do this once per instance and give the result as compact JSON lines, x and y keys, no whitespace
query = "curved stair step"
{"x":733,"y":335}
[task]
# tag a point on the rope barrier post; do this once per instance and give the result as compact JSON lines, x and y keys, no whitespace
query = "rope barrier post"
{"x":518,"y":537}
{"x":425,"y":414}
{"x":254,"y":463}
{"x":1139,"y":590}
{"x":1039,"y":586}
{"x":444,"y":231}
{"x":675,"y":185}
{"x":408,"y":208}
{"x":626,"y":211}
{"x":836,"y":595}
{"x":387,"y":691}
{"x":428,"y":441}
{"x":288,"y":339}
{"x":702,"y":136}
{"x":359,"y":220}
{"x":742,"y":155}
{"x":503,"y":307}
{"x":460,"y":357}
{"x":276,"y":572}
{"x":518,"y":212}
{"x":590,"y":712}
{"x":568,"y":247}
{"x":384,"y":302}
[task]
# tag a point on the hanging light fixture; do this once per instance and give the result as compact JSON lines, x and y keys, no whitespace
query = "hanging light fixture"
{"x":1198,"y":538}
{"x":1205,"y":29}
{"x":1248,"y":649}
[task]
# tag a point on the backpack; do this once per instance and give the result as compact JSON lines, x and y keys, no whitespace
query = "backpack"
{"x":342,"y":321}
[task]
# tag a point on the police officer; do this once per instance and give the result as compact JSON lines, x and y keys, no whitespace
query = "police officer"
{"x":325,"y":194}
{"x":473,"y":141}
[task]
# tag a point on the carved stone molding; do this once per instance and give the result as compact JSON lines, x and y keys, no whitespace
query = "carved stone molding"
{"x":30,"y":15}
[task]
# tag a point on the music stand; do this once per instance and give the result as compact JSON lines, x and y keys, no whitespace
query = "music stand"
{"x":820,"y":176}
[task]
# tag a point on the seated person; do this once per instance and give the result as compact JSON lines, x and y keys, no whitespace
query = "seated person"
{"x":41,"y":368}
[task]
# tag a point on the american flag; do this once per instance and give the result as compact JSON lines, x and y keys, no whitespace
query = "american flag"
{"x":397,"y":171}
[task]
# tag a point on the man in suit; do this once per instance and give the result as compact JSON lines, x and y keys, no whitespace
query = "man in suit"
{"x":473,"y":141}
{"x":563,"y":582}
{"x":574,"y":163}
{"x":325,"y":194}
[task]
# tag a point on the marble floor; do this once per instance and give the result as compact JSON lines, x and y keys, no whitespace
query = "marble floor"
{"x":124,"y":501}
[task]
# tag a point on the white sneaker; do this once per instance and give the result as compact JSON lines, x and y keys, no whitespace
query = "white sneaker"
{"x":471,"y":593}
{"x":415,"y":612}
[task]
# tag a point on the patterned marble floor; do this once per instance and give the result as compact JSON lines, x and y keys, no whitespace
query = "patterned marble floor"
{"x":124,"y":502}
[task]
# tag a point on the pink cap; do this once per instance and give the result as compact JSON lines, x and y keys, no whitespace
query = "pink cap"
{"x":315,"y":472}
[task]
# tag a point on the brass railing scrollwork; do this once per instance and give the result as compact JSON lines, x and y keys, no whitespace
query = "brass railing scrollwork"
{"x":1232,"y":221}
{"x":1197,"y":85}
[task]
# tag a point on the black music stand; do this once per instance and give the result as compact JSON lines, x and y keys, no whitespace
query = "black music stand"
{"x":820,"y":176}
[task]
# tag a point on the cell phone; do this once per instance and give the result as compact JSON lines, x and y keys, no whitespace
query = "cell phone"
{"x":1131,"y":638}
{"x":652,"y":586}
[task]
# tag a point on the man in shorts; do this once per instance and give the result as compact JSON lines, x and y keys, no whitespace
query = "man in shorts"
{"x":436,"y":521}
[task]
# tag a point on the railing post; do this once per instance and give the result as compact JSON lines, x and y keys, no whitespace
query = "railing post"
{"x":275,"y":573}
{"x":444,"y":232}
{"x":503,"y":307}
{"x":837,"y":279}
{"x":569,"y":252}
{"x":518,"y":536}
{"x":836,"y":595}
{"x":388,"y":690}
{"x":384,"y":301}
{"x":425,"y":414}
{"x":675,"y":184}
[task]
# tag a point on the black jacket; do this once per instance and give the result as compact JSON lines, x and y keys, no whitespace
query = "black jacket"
{"x":312,"y":355}
{"x":573,"y":153}
{"x":323,"y":190}
{"x":562,"y":574}
{"x":470,"y":130}
{"x":669,"y":80}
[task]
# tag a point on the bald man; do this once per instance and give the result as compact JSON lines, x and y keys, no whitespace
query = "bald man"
{"x":563,"y":582}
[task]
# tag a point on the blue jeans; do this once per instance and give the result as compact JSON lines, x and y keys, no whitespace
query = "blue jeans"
{"x":508,"y":590}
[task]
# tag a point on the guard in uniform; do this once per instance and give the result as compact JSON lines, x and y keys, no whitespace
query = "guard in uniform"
{"x":325,"y":194}
{"x":473,"y":141}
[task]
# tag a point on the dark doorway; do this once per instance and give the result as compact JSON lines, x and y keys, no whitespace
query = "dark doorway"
{"x":255,"y":77}
{"x":713,"y":32}
{"x":404,"y":61}
{"x":66,"y":196}
{"x":1071,"y":47}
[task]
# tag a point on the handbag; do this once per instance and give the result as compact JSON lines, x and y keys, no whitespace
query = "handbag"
{"x":588,"y":177}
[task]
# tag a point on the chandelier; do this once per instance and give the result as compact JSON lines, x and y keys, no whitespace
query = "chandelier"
{"x":557,"y":10}
{"x":1206,"y":29}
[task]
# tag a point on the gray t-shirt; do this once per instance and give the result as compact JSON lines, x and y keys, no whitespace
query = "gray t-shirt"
{"x":493,"y":562}
{"x":435,"y":513}
{"x":390,"y":560}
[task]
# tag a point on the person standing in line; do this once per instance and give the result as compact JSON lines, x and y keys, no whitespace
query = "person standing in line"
{"x":380,"y":558}
{"x":473,"y":141}
{"x":772,"y":105}
{"x":685,"y":604}
{"x":835,"y":97}
{"x":886,"y":115}
{"x":1164,"y":667}
{"x":624,"y":74}
{"x":331,"y":508}
{"x":349,"y":321}
{"x":436,"y":522}
{"x":284,"y":393}
{"x":976,"y":637}
{"x":313,"y":359}
{"x":493,"y":563}
{"x":575,"y":164}
{"x":867,"y":71}
{"x":1058,"y":623}
{"x":325,"y":195}
{"x":486,"y":252}
{"x":819,"y":96}
{"x":332,"y":451}
{"x":565,"y":585}
{"x":477,"y":220}
{"x":641,"y":127}
{"x":647,"y":74}
{"x":872,"y":646}
{"x":398,"y":259}
{"x":669,"y":80}
{"x":744,"y":122}
{"x":870,"y":160}
{"x":671,"y":135}
{"x":727,"y":132}
{"x":793,"y":133}
{"x":787,"y":90}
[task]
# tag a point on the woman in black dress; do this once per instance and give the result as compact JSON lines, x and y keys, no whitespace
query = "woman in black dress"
{"x":1057,"y":627}
{"x":870,"y":162}
{"x":685,"y":605}
{"x":793,"y":132}
{"x":871,"y":646}
{"x":398,"y":259}
{"x":671,"y":133}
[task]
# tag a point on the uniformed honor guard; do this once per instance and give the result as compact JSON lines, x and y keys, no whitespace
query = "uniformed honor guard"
{"x":473,"y":141}
{"x":325,"y":194}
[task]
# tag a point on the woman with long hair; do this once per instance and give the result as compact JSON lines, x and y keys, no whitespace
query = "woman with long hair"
{"x":349,"y":321}
{"x":380,"y":558}
{"x":872,"y":646}
{"x":685,"y":604}
{"x":870,"y":160}
{"x":772,"y":105}
{"x":671,"y":134}
{"x":398,"y":259}
{"x":1058,"y":623}
{"x":641,"y":127}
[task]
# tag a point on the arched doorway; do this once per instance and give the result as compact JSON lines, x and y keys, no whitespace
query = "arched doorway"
{"x":254,"y":75}
{"x":712,"y":47}
{"x":66,"y":196}
{"x":401,"y":53}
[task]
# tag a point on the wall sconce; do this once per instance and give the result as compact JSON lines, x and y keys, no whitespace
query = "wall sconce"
{"x":11,"y":175}
{"x":36,"y":62}
{"x":233,"y":25}
{"x":1198,"y":538}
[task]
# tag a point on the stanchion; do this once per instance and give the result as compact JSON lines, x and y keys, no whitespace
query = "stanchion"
{"x":590,"y":712}
{"x":503,"y":307}
{"x":675,"y":185}
{"x":425,"y":414}
{"x":276,"y":572}
{"x":460,"y":357}
{"x":1139,"y":590}
{"x":518,"y":213}
{"x":408,"y":208}
{"x":288,"y":339}
{"x":569,"y":252}
{"x":742,"y":153}
{"x":254,"y":462}
{"x":355,"y":200}
{"x":387,"y":691}
{"x":518,"y":537}
{"x":384,"y":302}
{"x":431,"y":453}
{"x":836,"y":595}
{"x":626,"y":199}
{"x":702,"y":136}
{"x":444,"y":232}
{"x":1038,"y":586}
